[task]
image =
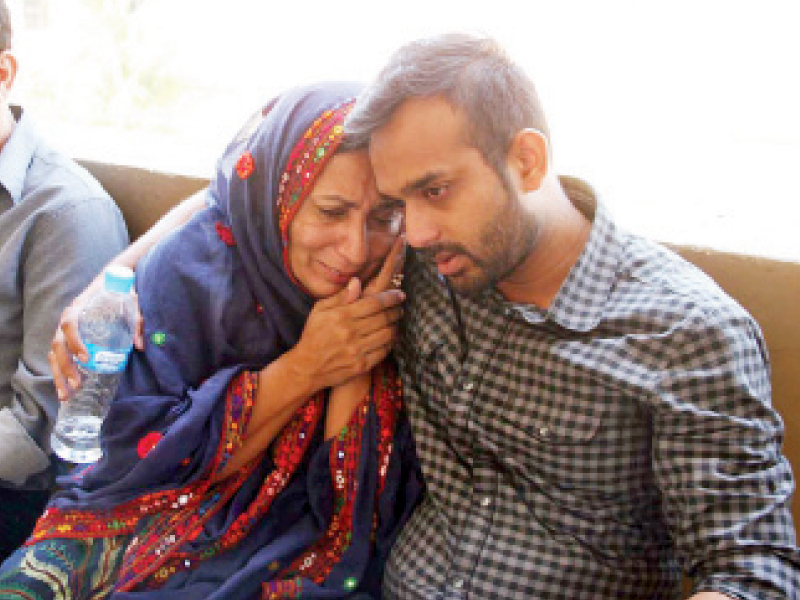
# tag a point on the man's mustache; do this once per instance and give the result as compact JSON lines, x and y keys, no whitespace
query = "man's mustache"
{"x":429,"y":253}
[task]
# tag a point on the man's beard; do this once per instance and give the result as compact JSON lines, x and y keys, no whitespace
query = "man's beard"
{"x":505,"y":242}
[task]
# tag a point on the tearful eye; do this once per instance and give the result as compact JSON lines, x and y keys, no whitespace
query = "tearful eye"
{"x":435,"y":192}
{"x":332,"y":213}
{"x":387,"y":221}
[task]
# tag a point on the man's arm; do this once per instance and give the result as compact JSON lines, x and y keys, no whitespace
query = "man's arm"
{"x":717,"y":454}
{"x":64,"y":250}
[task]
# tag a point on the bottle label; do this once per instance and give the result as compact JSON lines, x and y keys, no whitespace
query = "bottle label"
{"x":103,"y":360}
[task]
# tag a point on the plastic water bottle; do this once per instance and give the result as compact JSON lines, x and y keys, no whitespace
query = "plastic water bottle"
{"x":106,"y":328}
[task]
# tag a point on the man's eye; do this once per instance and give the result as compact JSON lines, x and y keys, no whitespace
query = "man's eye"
{"x":435,"y":192}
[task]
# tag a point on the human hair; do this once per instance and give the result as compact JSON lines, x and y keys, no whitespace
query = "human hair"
{"x":472,"y":73}
{"x":6,"y":31}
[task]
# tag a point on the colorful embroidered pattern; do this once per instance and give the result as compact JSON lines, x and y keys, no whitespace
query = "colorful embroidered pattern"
{"x":308,"y":158}
{"x":344,"y":457}
{"x":123,"y":519}
{"x":275,"y":590}
{"x":64,"y":569}
{"x":166,"y":522}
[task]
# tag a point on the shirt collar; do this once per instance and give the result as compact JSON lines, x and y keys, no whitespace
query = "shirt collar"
{"x":17,"y":154}
{"x":580,"y":302}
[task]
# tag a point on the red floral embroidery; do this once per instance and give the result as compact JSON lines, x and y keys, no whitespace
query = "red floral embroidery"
{"x":147,"y":443}
{"x":245,"y":165}
{"x":225,"y":233}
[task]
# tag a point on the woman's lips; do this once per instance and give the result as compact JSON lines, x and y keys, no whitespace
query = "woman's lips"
{"x":335,"y":275}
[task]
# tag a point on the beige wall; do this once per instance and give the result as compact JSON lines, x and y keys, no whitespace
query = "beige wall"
{"x":769,"y":289}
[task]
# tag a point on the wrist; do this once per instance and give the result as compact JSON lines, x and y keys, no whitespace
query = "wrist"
{"x":295,"y":375}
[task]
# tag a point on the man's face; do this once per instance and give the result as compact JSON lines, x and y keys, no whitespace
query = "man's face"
{"x":458,"y":212}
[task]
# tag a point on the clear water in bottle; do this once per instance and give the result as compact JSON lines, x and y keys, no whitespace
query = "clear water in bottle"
{"x":106,"y":329}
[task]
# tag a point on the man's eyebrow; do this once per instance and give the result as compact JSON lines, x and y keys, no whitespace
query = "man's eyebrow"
{"x":388,"y":202}
{"x":422,"y":182}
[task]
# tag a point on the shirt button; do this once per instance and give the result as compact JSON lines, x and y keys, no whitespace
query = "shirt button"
{"x":458,"y":583}
{"x":468,"y":386}
{"x":486,"y":501}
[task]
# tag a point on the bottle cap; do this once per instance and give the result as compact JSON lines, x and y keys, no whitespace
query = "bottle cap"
{"x":118,"y":279}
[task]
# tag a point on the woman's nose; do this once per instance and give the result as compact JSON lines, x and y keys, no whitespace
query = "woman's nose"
{"x":354,"y":245}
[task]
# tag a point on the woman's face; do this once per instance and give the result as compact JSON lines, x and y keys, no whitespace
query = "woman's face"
{"x":343,"y":229}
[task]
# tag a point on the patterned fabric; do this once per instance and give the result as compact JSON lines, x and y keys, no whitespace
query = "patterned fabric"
{"x":309,"y":517}
{"x":595,"y":449}
{"x":57,"y":570}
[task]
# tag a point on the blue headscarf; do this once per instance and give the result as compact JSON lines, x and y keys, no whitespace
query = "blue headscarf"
{"x":219,"y":303}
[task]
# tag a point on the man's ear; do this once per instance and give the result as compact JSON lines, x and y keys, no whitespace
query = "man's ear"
{"x":529,"y":157}
{"x":8,"y":72}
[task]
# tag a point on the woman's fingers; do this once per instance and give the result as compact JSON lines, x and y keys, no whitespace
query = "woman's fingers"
{"x":66,"y":343}
{"x":384,"y":319}
{"x":377,"y":303}
{"x":59,"y":376}
{"x":138,"y":328}
{"x":347,"y":337}
{"x":391,"y":268}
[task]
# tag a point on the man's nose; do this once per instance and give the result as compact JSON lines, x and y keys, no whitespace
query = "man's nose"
{"x":420,"y":227}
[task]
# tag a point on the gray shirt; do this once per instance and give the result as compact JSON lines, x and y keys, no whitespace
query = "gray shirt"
{"x":598,"y":448}
{"x":58,"y":228}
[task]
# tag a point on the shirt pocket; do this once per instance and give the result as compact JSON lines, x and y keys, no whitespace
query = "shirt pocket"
{"x":559,"y":436}
{"x":538,"y":424}
{"x":574,"y":459}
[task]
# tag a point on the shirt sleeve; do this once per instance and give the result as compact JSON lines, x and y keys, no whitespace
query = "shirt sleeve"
{"x":64,"y":250}
{"x":718,"y":462}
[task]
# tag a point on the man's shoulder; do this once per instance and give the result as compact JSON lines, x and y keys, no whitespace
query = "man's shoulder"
{"x":52,"y":173}
{"x":654,"y":278}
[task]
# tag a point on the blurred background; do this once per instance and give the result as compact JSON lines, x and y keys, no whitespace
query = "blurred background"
{"x":683,"y":114}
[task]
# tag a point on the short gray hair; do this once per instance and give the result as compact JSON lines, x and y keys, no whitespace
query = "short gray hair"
{"x":6,"y":30}
{"x":472,"y":73}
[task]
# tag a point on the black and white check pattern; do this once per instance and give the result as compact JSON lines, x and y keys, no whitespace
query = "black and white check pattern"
{"x":597,"y":449}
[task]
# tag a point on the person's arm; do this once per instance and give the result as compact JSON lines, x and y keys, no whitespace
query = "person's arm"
{"x":66,"y":342}
{"x":725,"y":485}
{"x":343,"y":339}
{"x":64,"y":249}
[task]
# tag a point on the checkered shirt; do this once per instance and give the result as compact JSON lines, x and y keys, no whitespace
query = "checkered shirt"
{"x":597,"y":449}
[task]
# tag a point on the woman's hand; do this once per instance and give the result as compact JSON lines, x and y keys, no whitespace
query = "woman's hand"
{"x":67,"y":342}
{"x":348,"y":334}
